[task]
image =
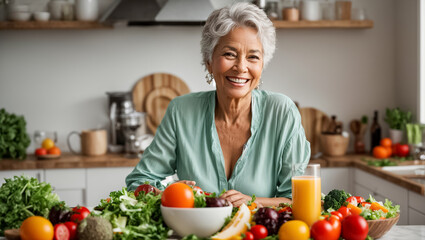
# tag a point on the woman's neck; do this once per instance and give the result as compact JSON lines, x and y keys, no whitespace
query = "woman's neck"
{"x":231,"y":110}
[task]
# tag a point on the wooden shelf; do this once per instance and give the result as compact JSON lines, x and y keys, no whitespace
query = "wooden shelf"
{"x":324,"y":24}
{"x":9,"y":25}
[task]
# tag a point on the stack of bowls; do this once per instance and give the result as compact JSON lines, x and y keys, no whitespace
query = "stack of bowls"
{"x":20,"y":13}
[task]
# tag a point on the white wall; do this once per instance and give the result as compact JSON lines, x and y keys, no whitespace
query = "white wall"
{"x":57,"y":79}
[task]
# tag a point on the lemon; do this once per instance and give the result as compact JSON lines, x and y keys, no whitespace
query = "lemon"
{"x":47,"y":143}
{"x":236,"y":226}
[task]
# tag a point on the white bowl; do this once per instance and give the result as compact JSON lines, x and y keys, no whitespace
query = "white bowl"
{"x":203,"y":222}
{"x":42,"y":16}
{"x":20,"y":16}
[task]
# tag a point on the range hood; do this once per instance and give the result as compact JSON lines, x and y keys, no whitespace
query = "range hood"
{"x":158,"y":12}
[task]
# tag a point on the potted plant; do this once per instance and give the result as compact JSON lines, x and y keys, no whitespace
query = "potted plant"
{"x":397,"y":120}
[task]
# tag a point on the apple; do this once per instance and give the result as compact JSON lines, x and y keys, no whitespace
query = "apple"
{"x":40,"y":152}
{"x":402,"y":150}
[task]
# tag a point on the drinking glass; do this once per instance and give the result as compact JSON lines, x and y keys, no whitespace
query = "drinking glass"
{"x":39,"y":136}
{"x":306,"y":193}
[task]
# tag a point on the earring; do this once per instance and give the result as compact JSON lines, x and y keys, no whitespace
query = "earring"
{"x":258,"y":86}
{"x":209,"y":77}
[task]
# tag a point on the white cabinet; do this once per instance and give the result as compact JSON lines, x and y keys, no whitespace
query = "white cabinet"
{"x":69,"y":184}
{"x":102,"y":181}
{"x":380,"y":189}
{"x":337,"y":178}
{"x":416,"y":209}
{"x":38,"y":174}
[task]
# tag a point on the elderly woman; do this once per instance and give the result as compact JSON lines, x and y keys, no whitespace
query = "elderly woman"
{"x":237,"y":138}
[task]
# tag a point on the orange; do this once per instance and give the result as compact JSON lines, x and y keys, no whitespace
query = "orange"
{"x":36,"y":228}
{"x":389,"y":151}
{"x":380,"y":152}
{"x":178,"y":195}
{"x":294,"y":229}
{"x":47,"y":143}
{"x":386,"y":142}
{"x":54,"y":150}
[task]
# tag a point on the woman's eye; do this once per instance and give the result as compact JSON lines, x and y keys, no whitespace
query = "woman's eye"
{"x":254,"y":57}
{"x":229,"y":54}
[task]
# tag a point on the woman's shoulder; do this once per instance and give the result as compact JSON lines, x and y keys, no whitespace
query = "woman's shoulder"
{"x":192,"y":99}
{"x":275,"y":100}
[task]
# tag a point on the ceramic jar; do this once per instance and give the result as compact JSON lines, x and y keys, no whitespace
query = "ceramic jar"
{"x":86,"y":10}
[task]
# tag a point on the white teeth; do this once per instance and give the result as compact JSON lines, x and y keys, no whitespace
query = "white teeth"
{"x":237,"y":80}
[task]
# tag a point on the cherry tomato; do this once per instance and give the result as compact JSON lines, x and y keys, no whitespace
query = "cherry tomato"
{"x":259,"y":231}
{"x":359,"y":199}
{"x":40,"y":152}
{"x":79,"y":213}
{"x":178,"y":195}
{"x":344,"y":211}
{"x":354,"y":227}
{"x":338,"y":214}
{"x":198,"y":190}
{"x":352,"y":200}
{"x":285,"y":209}
{"x":326,"y":230}
{"x":72,"y":227}
{"x":145,"y":188}
{"x":249,"y":236}
{"x":61,"y":232}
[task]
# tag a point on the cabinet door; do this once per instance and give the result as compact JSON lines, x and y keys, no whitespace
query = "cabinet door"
{"x":417,"y":202}
{"x":38,"y":174}
{"x":69,"y":184}
{"x":416,"y":218}
{"x":102,"y":181}
{"x":381,"y":189}
{"x":336,"y":178}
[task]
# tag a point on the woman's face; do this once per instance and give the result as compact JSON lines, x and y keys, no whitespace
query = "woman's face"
{"x":237,"y":62}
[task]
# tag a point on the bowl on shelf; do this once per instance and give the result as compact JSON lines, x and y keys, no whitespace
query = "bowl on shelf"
{"x":186,"y":221}
{"x":42,"y":16}
{"x":378,"y":228}
{"x":20,"y":16}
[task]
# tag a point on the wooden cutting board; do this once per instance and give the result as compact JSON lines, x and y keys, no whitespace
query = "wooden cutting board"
{"x":159,"y":89}
{"x":314,"y":122}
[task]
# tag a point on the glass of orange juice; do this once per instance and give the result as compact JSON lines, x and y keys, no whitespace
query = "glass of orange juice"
{"x":306,"y":192}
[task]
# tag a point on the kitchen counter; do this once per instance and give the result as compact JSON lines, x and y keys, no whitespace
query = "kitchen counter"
{"x":405,"y":232}
{"x":118,"y":160}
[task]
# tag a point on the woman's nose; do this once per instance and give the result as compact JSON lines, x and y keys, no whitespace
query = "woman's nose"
{"x":241,"y":65}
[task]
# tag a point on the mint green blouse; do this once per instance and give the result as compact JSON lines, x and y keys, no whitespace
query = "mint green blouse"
{"x":187,"y":143}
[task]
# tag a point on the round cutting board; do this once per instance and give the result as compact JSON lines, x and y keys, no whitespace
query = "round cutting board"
{"x":161,"y":98}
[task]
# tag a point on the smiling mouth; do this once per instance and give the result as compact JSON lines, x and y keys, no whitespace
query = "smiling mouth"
{"x":237,"y":80}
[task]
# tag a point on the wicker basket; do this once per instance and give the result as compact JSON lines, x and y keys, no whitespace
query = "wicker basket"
{"x":377,"y":228}
{"x":334,"y":145}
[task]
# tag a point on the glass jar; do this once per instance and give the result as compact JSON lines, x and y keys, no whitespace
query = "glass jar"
{"x":290,"y":11}
{"x":272,"y":10}
{"x":343,"y":9}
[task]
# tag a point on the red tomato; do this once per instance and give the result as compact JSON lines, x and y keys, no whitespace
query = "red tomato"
{"x":79,"y":213}
{"x":352,"y":200}
{"x":394,"y":148}
{"x":249,"y":236}
{"x":344,"y":211}
{"x":198,"y":190}
{"x":337,"y":214}
{"x":61,"y":232}
{"x":354,"y":227}
{"x":259,"y":231}
{"x":285,"y":209}
{"x":40,"y":152}
{"x":72,"y":227}
{"x":145,"y":188}
{"x":402,"y":150}
{"x":178,"y":195}
{"x":326,"y":230}
{"x":359,"y":199}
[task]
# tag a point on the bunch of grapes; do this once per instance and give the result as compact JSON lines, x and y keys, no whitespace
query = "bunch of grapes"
{"x":284,"y":217}
{"x":269,"y":218}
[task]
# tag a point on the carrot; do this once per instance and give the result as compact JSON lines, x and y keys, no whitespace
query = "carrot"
{"x":354,"y":210}
{"x":252,"y":206}
{"x":376,"y":206}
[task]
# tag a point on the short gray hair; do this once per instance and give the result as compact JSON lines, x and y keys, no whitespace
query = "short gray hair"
{"x":223,"y":20}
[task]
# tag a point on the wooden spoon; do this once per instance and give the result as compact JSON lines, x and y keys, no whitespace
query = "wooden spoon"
{"x":355,"y":126}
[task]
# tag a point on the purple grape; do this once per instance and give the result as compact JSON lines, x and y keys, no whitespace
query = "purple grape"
{"x":216,"y":202}
{"x":269,"y":218}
